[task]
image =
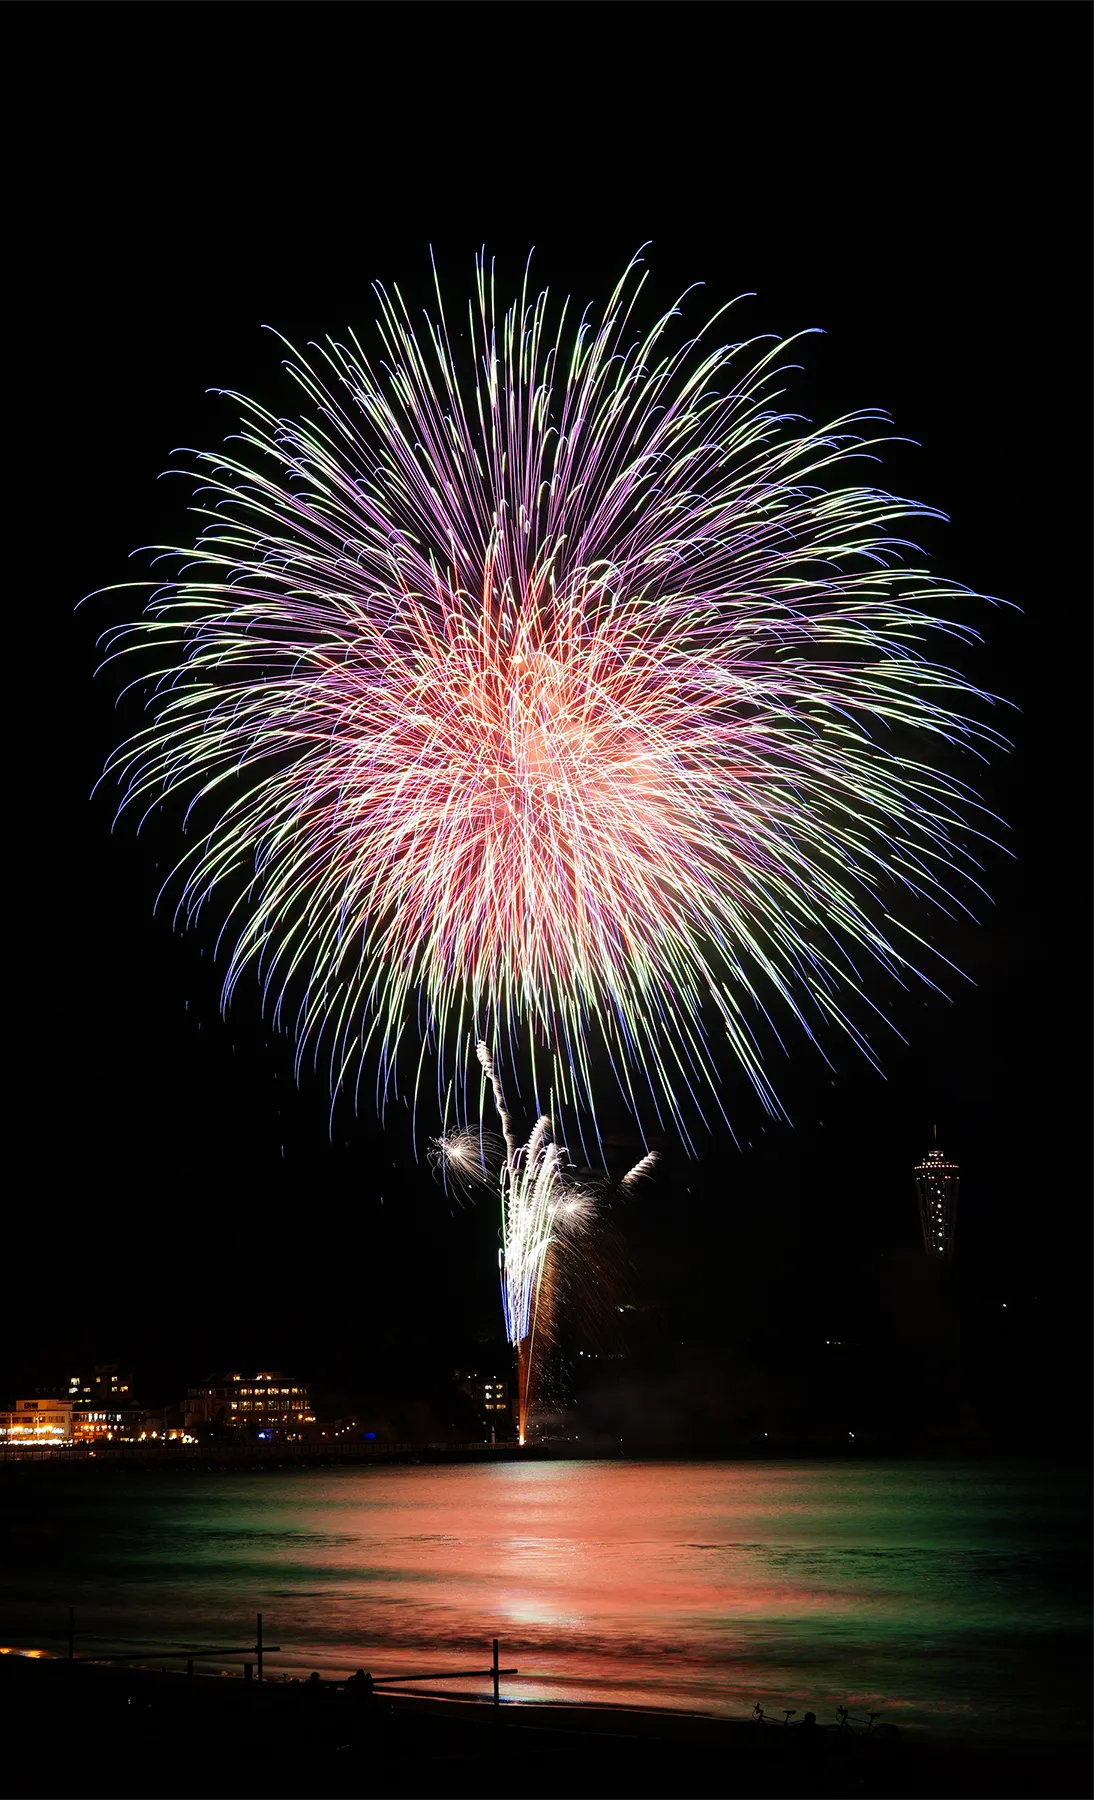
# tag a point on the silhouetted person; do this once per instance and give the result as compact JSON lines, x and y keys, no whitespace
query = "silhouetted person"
{"x":360,"y":1689}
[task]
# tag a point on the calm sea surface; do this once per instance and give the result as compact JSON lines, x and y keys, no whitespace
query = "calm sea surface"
{"x":949,"y":1597}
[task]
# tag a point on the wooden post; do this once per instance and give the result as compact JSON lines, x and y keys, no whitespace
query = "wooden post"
{"x":258,"y":1646}
{"x":497,"y":1700}
{"x":71,"y":1634}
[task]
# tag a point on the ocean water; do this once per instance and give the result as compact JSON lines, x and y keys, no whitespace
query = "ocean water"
{"x":954,"y":1598}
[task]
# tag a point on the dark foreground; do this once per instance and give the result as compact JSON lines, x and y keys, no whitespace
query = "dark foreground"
{"x":78,"y":1729}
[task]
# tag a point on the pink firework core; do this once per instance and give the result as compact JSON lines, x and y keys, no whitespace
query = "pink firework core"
{"x":515,"y":806}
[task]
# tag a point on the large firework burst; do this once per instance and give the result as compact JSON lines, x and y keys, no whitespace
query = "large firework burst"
{"x":553,"y":687}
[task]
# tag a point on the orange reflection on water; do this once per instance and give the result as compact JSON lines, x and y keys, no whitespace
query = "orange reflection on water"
{"x":929,"y":1590}
{"x":699,"y":1585}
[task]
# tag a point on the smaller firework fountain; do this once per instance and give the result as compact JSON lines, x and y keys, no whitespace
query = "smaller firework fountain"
{"x":545,"y":1211}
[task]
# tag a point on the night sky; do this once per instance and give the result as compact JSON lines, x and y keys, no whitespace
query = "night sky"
{"x":178,"y":1202}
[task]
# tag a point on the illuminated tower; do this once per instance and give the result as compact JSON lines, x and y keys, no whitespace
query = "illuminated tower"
{"x":936,"y":1183}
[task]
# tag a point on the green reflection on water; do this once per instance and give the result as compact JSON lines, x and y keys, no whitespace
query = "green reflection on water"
{"x":950,"y":1596}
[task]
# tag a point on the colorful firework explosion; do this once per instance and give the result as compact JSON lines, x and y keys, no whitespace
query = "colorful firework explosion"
{"x":545,"y":1211}
{"x":566,"y":693}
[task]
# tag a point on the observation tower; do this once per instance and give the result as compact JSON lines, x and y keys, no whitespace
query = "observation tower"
{"x":937,"y":1181}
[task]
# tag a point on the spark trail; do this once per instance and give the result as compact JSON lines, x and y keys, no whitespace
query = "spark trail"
{"x":545,"y":1212}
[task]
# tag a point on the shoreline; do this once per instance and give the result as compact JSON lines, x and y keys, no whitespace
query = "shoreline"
{"x":221,"y":1458}
{"x":219,"y":1733}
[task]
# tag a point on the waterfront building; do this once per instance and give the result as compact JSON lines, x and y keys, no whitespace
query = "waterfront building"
{"x":124,"y":1425}
{"x":96,"y":1424}
{"x":105,"y":1384}
{"x":491,"y":1397}
{"x":937,"y":1181}
{"x":266,"y":1403}
{"x":37,"y":1421}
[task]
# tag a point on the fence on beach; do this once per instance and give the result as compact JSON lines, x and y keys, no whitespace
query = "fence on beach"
{"x":191,"y":1654}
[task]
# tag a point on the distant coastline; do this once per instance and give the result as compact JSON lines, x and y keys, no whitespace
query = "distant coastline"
{"x":274,"y":1456}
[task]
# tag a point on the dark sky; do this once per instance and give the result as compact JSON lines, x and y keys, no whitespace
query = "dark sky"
{"x":178,"y":1200}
